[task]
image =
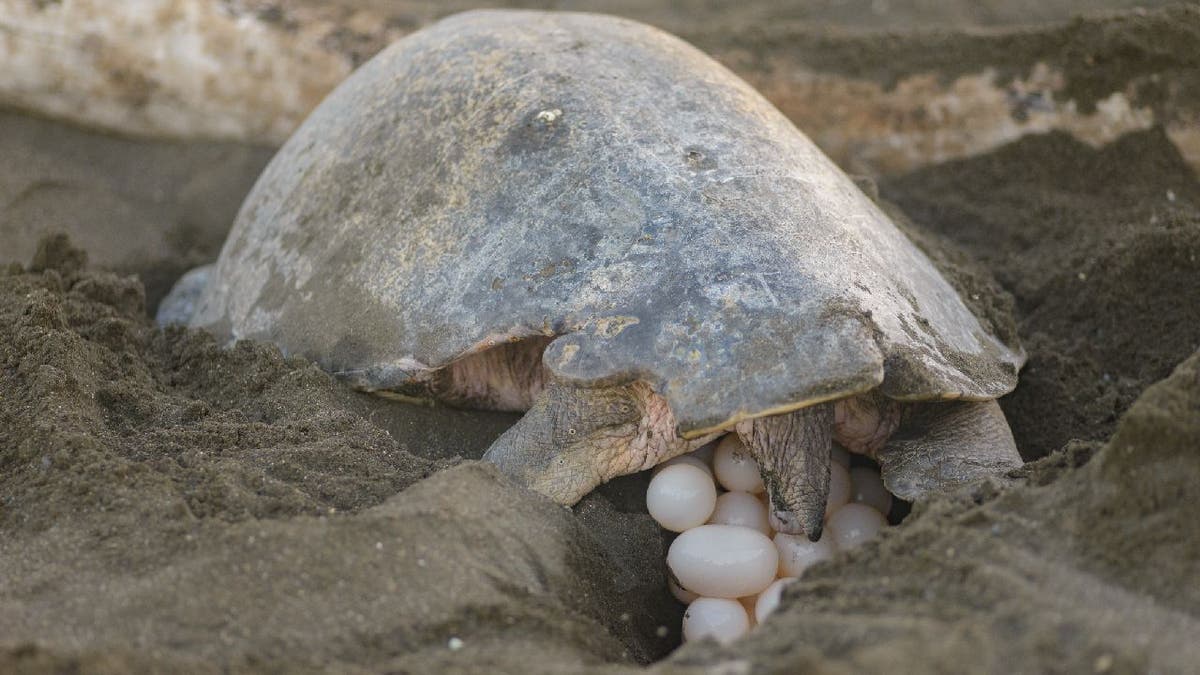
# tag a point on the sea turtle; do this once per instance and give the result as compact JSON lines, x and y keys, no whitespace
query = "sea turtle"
{"x":587,"y":219}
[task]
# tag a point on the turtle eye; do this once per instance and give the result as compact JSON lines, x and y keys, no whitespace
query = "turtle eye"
{"x":570,"y":432}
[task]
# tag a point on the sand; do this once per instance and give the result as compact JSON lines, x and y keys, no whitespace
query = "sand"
{"x":160,"y":492}
{"x":166,"y":505}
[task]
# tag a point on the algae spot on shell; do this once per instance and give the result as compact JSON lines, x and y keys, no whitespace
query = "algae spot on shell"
{"x":611,"y":326}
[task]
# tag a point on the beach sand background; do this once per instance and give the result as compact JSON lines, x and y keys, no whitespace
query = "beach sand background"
{"x":167,"y":505}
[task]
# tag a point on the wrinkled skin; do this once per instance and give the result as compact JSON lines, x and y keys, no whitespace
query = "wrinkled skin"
{"x":792,"y":450}
{"x":573,"y":439}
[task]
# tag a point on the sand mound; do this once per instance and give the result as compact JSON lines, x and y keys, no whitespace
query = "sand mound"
{"x":230,"y":507}
{"x":1082,"y":569}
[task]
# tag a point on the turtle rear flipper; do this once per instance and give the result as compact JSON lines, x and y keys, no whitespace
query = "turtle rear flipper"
{"x":793,"y":452}
{"x":944,"y":445}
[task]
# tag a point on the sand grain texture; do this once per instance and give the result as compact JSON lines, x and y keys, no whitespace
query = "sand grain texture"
{"x":233,"y":508}
{"x":168,"y":505}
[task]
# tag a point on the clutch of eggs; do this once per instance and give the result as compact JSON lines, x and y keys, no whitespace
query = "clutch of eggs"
{"x":727,"y":564}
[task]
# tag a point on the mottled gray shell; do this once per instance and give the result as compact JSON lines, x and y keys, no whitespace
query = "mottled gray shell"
{"x":502,"y":175}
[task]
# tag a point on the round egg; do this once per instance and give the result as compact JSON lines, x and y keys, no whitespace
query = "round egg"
{"x":840,"y":455}
{"x":768,"y":600}
{"x":723,"y":561}
{"x":741,"y":508}
{"x":681,"y":496}
{"x":867,"y":488}
{"x":839,"y":488}
{"x":722,"y":619}
{"x":735,"y":467}
{"x":854,"y":524}
{"x":705,"y":452}
{"x":797,"y":553}
{"x":683,"y":459}
{"x":749,"y":603}
{"x":681,"y":594}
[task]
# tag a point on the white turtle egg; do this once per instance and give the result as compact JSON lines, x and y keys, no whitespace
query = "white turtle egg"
{"x":681,"y":594}
{"x":723,"y":561}
{"x":741,"y":508}
{"x":735,"y":467}
{"x":681,"y":496}
{"x":840,"y":455}
{"x":765,"y":500}
{"x":722,"y":619}
{"x":748,"y":603}
{"x":797,"y":553}
{"x":839,"y":488}
{"x":867,"y":488}
{"x":705,"y":452}
{"x":768,"y":600}
{"x":683,"y":459}
{"x":854,"y":524}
